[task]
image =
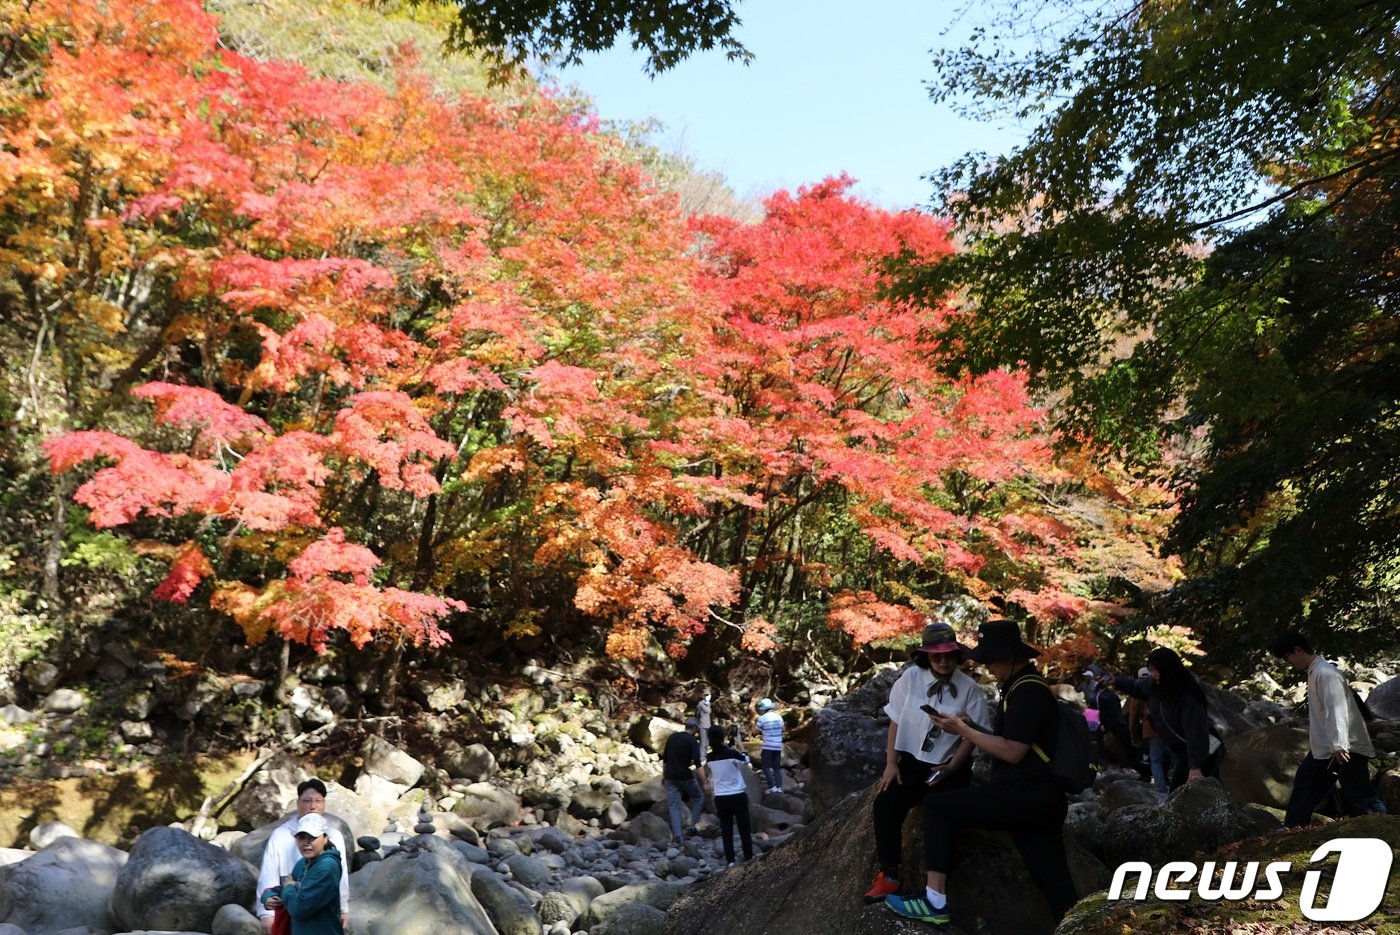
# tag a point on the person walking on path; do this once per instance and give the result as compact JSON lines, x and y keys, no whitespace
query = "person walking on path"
{"x":1339,"y":745}
{"x":281,"y":853}
{"x":1021,"y":795}
{"x":770,"y":728}
{"x":919,"y":757}
{"x":1177,"y":705}
{"x":725,"y":767}
{"x":679,"y":759}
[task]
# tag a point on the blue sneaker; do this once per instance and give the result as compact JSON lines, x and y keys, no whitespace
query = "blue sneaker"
{"x":918,"y":908}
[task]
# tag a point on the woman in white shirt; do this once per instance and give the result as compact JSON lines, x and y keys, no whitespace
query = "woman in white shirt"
{"x":919,"y":758}
{"x":726,"y":766}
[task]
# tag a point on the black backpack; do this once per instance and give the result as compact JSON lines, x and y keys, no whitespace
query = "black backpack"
{"x":1072,"y":761}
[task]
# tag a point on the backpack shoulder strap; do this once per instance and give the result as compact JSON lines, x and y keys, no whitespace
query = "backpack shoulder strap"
{"x":1031,"y":677}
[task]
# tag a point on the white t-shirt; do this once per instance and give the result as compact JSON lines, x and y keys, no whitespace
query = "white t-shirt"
{"x":281,"y":855}
{"x":912,"y":723}
{"x":770,"y":725}
{"x":727,"y":769}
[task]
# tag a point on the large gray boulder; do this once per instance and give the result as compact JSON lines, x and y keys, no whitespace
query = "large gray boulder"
{"x":387,"y":761}
{"x":507,"y":906}
{"x":1146,"y":833}
{"x":1197,"y":818}
{"x":485,"y":807}
{"x":1212,"y":816}
{"x":846,"y":752}
{"x":270,"y":793}
{"x":658,"y":895}
{"x":473,"y":763}
{"x":816,"y":882}
{"x":1230,"y":713}
{"x":1384,"y":700}
{"x":650,"y":733}
{"x":176,"y":882}
{"x":235,"y":920}
{"x":47,"y":832}
{"x":65,"y":885}
{"x":424,"y":888}
{"x":647,"y":828}
{"x":633,"y":919}
{"x":1258,"y":765}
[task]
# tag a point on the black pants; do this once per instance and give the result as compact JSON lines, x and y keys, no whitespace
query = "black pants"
{"x":894,"y":803}
{"x":1033,"y":810}
{"x":734,"y":810}
{"x":1315,"y":779}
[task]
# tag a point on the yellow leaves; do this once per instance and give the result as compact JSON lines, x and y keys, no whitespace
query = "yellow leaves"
{"x":111,"y":318}
{"x":524,"y":625}
{"x":245,"y":604}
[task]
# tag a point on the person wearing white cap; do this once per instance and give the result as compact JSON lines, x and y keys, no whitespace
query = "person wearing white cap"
{"x":281,"y":853}
{"x":770,"y":728}
{"x":311,"y":892}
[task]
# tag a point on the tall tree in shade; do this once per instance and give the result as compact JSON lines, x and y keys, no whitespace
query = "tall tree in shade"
{"x":1196,"y":247}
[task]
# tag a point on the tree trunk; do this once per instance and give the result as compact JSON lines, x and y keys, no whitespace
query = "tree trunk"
{"x":53,"y":554}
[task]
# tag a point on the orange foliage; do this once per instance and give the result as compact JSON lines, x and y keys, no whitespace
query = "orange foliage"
{"x":404,"y":307}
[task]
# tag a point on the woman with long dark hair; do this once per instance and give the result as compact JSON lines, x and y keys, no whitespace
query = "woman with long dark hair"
{"x":1176,"y":705}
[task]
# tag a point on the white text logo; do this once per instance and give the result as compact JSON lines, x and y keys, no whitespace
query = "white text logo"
{"x":1363,"y":867}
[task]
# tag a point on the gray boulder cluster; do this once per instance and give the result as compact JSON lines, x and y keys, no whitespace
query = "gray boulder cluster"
{"x":569,"y":831}
{"x":571,"y":846}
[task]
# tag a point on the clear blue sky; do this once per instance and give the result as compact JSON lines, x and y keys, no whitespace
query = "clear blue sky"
{"x":834,"y":87}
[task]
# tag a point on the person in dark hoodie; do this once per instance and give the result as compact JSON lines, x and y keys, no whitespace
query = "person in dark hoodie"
{"x":311,"y":893}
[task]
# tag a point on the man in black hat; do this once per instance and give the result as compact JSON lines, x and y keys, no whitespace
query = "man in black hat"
{"x":1021,"y":797}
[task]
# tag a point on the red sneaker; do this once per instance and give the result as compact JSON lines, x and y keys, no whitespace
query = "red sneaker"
{"x":882,"y":887}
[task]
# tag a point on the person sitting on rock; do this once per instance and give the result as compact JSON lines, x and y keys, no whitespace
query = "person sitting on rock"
{"x":725,"y":768}
{"x":1021,"y":796}
{"x":920,"y":758}
{"x":770,"y":728}
{"x":281,"y":853}
{"x":679,"y":758}
{"x":1339,"y":745}
{"x":311,"y":892}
